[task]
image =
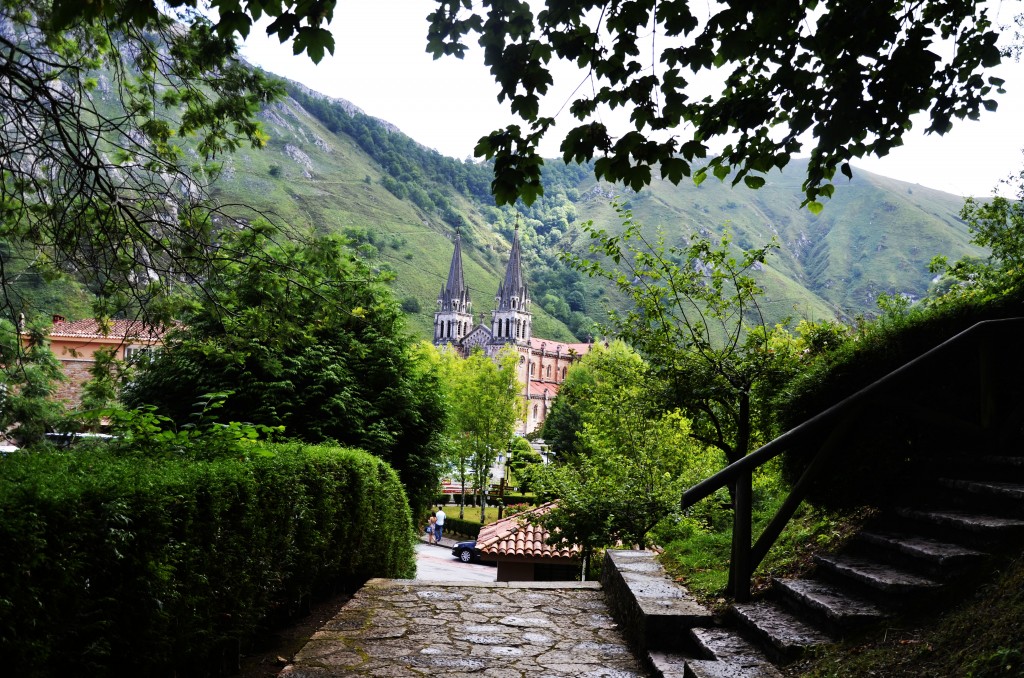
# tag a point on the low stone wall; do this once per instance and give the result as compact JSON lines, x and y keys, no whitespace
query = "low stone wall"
{"x":653,"y":611}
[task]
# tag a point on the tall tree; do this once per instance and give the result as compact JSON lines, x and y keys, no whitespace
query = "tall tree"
{"x":849,"y":73}
{"x":305,"y":336}
{"x":696,"y":316}
{"x":636,"y":456}
{"x":485,"y":407}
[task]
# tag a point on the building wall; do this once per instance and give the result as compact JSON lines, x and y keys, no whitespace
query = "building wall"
{"x":513,"y":571}
{"x":76,"y":373}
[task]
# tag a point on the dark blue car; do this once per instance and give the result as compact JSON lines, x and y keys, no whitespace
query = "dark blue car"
{"x":466,"y":551}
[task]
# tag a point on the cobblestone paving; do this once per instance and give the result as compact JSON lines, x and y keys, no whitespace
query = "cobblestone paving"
{"x":397,"y":628}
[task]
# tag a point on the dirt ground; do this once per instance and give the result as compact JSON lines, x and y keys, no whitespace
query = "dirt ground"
{"x":277,"y":647}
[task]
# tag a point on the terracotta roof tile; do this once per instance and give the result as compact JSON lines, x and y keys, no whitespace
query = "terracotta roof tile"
{"x":543,"y":388}
{"x":91,"y":329}
{"x":554,"y":346}
{"x":516,"y":537}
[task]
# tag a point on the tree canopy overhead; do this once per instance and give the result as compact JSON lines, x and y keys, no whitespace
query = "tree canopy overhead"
{"x":115,"y":116}
{"x":846,"y":72}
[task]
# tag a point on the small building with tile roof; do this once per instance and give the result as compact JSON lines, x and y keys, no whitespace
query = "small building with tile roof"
{"x":521,"y":550}
{"x":543,"y":363}
{"x":75,"y":344}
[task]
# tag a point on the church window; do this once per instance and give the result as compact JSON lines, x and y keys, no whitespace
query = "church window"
{"x":531,"y":369}
{"x":549,"y":372}
{"x":535,"y":411}
{"x":563,"y":373}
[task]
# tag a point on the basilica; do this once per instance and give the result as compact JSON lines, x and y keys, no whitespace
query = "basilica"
{"x":543,"y":363}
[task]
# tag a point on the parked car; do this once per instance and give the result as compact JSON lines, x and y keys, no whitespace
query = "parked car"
{"x":466,"y":551}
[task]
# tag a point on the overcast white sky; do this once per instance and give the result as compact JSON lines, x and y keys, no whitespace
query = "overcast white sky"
{"x":380,"y":65}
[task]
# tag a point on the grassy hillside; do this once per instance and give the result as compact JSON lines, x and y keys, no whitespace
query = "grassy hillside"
{"x":367,"y":179}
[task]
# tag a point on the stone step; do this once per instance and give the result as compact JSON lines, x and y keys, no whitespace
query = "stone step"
{"x":839,"y":610}
{"x":932,"y":556}
{"x":699,"y":668}
{"x":875,"y":576}
{"x":665,"y":664}
{"x":978,"y":528}
{"x":1004,"y":467}
{"x":727,"y":654}
{"x":986,"y":488}
{"x":773,"y":627}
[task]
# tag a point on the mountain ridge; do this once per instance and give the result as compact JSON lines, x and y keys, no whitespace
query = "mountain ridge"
{"x":331,"y":168}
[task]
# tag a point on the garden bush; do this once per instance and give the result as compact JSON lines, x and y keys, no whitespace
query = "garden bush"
{"x":120,"y":565}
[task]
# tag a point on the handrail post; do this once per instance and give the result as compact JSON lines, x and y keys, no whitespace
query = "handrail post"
{"x":986,"y":390}
{"x":739,"y":569}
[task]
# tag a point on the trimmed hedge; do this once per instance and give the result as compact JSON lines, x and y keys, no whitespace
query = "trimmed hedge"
{"x":466,"y":528}
{"x":119,"y":566}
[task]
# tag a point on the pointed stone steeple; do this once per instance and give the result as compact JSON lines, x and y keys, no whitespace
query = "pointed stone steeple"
{"x":512,"y":293}
{"x":511,"y":321}
{"x":454,"y":316}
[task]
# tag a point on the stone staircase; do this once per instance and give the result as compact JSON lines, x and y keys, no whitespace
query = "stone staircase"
{"x":960,"y":520}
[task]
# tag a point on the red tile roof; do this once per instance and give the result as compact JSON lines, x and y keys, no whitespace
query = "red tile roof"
{"x":558,"y":346}
{"x":91,"y":329}
{"x":515,"y":537}
{"x":543,"y":388}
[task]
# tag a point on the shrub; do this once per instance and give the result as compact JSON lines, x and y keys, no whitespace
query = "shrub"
{"x":466,"y":528}
{"x":135,"y":566}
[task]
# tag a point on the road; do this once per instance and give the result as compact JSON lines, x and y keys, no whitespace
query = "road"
{"x":436,"y":563}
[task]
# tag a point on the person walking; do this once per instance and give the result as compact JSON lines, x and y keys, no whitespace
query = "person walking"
{"x":439,"y":518}
{"x":432,"y":529}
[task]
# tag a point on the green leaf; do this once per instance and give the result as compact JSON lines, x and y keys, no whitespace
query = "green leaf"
{"x":815,"y":207}
{"x":753,"y":182}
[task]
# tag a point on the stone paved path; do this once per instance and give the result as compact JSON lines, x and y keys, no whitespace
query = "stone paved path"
{"x":396,"y":627}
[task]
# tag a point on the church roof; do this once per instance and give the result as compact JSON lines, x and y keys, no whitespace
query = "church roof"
{"x":562,"y":347}
{"x":543,"y":389}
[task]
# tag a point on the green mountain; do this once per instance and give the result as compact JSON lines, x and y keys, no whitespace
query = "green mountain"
{"x":331,"y":167}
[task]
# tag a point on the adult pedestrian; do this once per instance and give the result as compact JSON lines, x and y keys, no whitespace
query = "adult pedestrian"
{"x":439,"y":524}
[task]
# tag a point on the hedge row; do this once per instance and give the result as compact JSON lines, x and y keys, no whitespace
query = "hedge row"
{"x":116,"y":566}
{"x":466,"y":528}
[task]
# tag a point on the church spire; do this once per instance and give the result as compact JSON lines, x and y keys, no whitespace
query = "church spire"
{"x":511,"y":321}
{"x":512,"y":294}
{"x":455,"y":295}
{"x":454,"y":316}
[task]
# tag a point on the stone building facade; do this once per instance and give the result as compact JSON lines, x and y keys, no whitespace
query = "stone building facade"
{"x":543,"y":363}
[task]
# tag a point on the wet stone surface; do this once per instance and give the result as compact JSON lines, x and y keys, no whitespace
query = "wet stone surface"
{"x":501,"y":630}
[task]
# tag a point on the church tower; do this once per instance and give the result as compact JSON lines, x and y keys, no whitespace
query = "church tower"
{"x":511,"y":321}
{"x":454,"y":316}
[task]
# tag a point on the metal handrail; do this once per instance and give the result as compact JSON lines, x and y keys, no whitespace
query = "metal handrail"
{"x":743,"y":468}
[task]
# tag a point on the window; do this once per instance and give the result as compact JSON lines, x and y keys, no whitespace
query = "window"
{"x":138,"y":354}
{"x":535,"y":411}
{"x":548,"y":372}
{"x":531,"y":369}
